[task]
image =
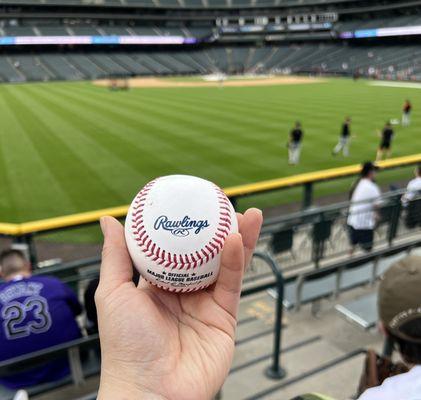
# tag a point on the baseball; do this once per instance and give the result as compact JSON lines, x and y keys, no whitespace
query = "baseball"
{"x":175,"y":231}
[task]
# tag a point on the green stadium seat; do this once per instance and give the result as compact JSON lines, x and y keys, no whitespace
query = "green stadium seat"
{"x":413,"y":214}
{"x":282,"y":241}
{"x":321,"y":233}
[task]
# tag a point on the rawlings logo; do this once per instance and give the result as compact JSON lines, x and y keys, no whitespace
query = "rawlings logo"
{"x":180,"y":227}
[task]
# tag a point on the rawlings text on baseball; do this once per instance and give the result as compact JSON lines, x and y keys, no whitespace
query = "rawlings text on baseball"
{"x":175,"y":231}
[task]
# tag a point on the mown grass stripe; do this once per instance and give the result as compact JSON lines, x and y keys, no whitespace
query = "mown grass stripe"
{"x":75,"y":177}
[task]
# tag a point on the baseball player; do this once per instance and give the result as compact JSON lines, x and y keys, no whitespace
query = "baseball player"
{"x":406,"y":113}
{"x":385,"y":147}
{"x":344,"y":139}
{"x":294,"y":144}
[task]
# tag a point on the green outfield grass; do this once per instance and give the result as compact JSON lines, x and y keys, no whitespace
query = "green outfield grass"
{"x":71,"y":147}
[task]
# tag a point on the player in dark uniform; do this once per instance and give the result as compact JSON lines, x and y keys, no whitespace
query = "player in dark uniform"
{"x":406,"y":113}
{"x":294,"y":144}
{"x":385,"y":147}
{"x":344,"y":139}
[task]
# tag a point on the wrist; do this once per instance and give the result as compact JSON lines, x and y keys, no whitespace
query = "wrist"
{"x":114,"y":388}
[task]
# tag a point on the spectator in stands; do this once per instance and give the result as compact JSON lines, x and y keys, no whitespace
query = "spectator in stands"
{"x":414,"y":187}
{"x":400,"y":315}
{"x":343,"y":144}
{"x":158,"y":344}
{"x":411,"y":200}
{"x":406,"y":113}
{"x":362,"y":212}
{"x":294,"y":144}
{"x":385,"y":147}
{"x":36,"y":312}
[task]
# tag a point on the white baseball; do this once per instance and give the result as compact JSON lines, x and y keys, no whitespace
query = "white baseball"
{"x":175,"y":231}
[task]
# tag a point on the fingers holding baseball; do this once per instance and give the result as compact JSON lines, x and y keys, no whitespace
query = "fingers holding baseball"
{"x":116,"y":265}
{"x":249,"y":227}
{"x":237,"y":253}
{"x":239,"y":220}
{"x":228,"y":286}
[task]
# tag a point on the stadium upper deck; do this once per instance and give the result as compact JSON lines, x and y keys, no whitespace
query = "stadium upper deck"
{"x":90,"y":39}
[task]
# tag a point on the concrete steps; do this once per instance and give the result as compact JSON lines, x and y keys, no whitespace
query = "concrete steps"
{"x":319,"y":353}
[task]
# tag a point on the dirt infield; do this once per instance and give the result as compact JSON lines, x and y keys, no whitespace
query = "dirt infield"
{"x":230,"y":82}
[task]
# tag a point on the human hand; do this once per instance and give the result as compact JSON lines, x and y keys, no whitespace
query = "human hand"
{"x":161,"y":345}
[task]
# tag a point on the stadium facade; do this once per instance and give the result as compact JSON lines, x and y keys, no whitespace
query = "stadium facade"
{"x":44,"y":40}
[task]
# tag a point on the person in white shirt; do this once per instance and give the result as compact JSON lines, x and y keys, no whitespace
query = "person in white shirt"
{"x":362,"y":215}
{"x":400,"y":315}
{"x":414,"y":187}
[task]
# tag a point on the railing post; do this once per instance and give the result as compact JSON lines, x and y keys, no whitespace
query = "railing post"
{"x":75,"y":366}
{"x":28,"y":242}
{"x":394,"y":219}
{"x":308,"y":195}
{"x":275,"y":371}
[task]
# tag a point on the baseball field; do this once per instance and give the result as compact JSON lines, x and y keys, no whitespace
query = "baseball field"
{"x":72,"y":147}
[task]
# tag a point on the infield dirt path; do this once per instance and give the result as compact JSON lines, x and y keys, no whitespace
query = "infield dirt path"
{"x":167,"y":83}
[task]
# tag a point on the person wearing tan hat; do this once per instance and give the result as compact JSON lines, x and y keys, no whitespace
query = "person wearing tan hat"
{"x":399,"y":306}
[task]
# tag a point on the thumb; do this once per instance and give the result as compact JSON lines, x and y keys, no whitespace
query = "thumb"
{"x":116,"y":264}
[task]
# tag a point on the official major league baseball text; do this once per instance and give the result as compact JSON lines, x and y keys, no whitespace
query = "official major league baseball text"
{"x":175,"y":231}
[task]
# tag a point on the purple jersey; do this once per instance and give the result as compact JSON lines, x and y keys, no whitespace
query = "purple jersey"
{"x":36,"y":313}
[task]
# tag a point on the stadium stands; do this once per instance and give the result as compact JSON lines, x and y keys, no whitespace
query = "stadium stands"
{"x":8,"y":72}
{"x":379,"y":61}
{"x":262,"y":51}
{"x":62,"y":68}
{"x":19,"y":31}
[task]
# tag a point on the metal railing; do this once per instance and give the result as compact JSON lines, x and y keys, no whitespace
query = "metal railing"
{"x":320,"y":236}
{"x":312,"y":238}
{"x":274,"y":371}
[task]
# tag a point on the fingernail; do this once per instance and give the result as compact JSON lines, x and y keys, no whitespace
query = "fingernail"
{"x":103,"y":224}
